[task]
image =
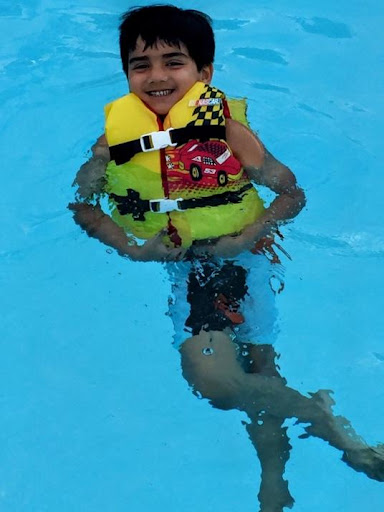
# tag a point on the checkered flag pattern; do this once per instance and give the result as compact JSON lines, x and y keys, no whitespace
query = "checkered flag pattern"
{"x":204,"y":115}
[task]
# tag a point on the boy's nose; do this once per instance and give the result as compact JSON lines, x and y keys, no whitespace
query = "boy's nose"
{"x":158,"y":74}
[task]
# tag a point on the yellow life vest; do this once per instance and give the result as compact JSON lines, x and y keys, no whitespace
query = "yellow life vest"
{"x":193,"y":171}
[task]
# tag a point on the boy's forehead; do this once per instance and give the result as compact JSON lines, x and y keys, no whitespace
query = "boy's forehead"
{"x":159,"y":46}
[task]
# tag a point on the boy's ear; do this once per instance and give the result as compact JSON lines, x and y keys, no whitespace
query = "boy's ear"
{"x":207,"y":73}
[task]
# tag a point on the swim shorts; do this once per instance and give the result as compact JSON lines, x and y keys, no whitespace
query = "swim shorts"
{"x":215,"y":294}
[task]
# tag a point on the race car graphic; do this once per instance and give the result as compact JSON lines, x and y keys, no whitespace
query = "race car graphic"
{"x":203,"y":163}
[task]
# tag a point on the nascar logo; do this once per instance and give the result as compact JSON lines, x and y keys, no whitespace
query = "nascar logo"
{"x":205,"y":102}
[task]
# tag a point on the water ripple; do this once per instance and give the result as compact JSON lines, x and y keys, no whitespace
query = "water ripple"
{"x":264,"y":54}
{"x":344,"y":244}
{"x":325,"y":27}
{"x":312,"y":110}
{"x":110,"y":79}
{"x":233,"y":24}
{"x":11,"y":10}
{"x":270,"y":87}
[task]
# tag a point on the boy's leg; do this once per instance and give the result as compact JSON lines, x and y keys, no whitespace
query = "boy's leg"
{"x":210,"y":365}
{"x":259,"y":359}
{"x":272,"y":447}
{"x":268,"y":436}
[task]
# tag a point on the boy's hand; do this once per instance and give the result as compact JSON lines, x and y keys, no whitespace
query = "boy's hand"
{"x":99,"y":225}
{"x":224,"y":247}
{"x":229,"y":246}
{"x":154,"y":249}
{"x":86,"y":216}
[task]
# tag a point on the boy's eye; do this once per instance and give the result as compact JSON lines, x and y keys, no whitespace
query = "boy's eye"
{"x":139,"y":67}
{"x":174,"y":63}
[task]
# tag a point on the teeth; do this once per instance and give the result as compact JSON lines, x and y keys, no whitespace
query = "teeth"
{"x":160,"y":93}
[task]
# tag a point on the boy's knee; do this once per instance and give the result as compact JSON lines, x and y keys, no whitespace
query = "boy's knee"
{"x":209,"y":364}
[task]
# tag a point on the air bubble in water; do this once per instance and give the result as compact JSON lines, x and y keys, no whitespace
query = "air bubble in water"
{"x":276,"y":284}
{"x":207,"y":351}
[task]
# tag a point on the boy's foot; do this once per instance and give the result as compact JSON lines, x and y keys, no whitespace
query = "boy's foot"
{"x":369,"y":460}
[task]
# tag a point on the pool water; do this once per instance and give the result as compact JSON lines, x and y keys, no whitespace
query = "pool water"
{"x":95,"y":413}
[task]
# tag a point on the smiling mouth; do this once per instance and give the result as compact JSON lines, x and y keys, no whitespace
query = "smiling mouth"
{"x":159,"y":94}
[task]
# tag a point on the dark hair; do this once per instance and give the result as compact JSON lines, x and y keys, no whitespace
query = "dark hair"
{"x":169,"y":24}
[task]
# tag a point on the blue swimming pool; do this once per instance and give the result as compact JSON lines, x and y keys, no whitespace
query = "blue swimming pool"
{"x":95,"y":413}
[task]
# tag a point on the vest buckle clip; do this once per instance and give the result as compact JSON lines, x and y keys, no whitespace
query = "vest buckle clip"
{"x":156,"y":140}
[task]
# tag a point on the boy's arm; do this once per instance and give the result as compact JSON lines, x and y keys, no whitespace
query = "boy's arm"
{"x":263,"y":169}
{"x":99,"y":225}
{"x":90,"y":181}
{"x":90,"y":178}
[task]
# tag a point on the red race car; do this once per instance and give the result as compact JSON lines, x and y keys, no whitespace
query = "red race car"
{"x":203,"y":161}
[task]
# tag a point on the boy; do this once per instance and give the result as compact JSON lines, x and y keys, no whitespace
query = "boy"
{"x":165,"y":51}
{"x":169,"y":192}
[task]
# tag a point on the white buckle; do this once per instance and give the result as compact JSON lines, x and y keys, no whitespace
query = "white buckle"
{"x":165,"y":205}
{"x":158,"y":140}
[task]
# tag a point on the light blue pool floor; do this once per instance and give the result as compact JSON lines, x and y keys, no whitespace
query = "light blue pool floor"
{"x":95,"y":413}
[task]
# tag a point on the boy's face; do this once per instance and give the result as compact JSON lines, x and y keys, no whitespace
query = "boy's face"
{"x":160,"y":76}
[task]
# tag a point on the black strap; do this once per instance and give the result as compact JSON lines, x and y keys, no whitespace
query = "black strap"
{"x":122,"y":153}
{"x":229,"y":197}
{"x":131,"y":204}
{"x":137,"y":207}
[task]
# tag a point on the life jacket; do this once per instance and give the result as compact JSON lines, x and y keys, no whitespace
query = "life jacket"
{"x":208,"y":192}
